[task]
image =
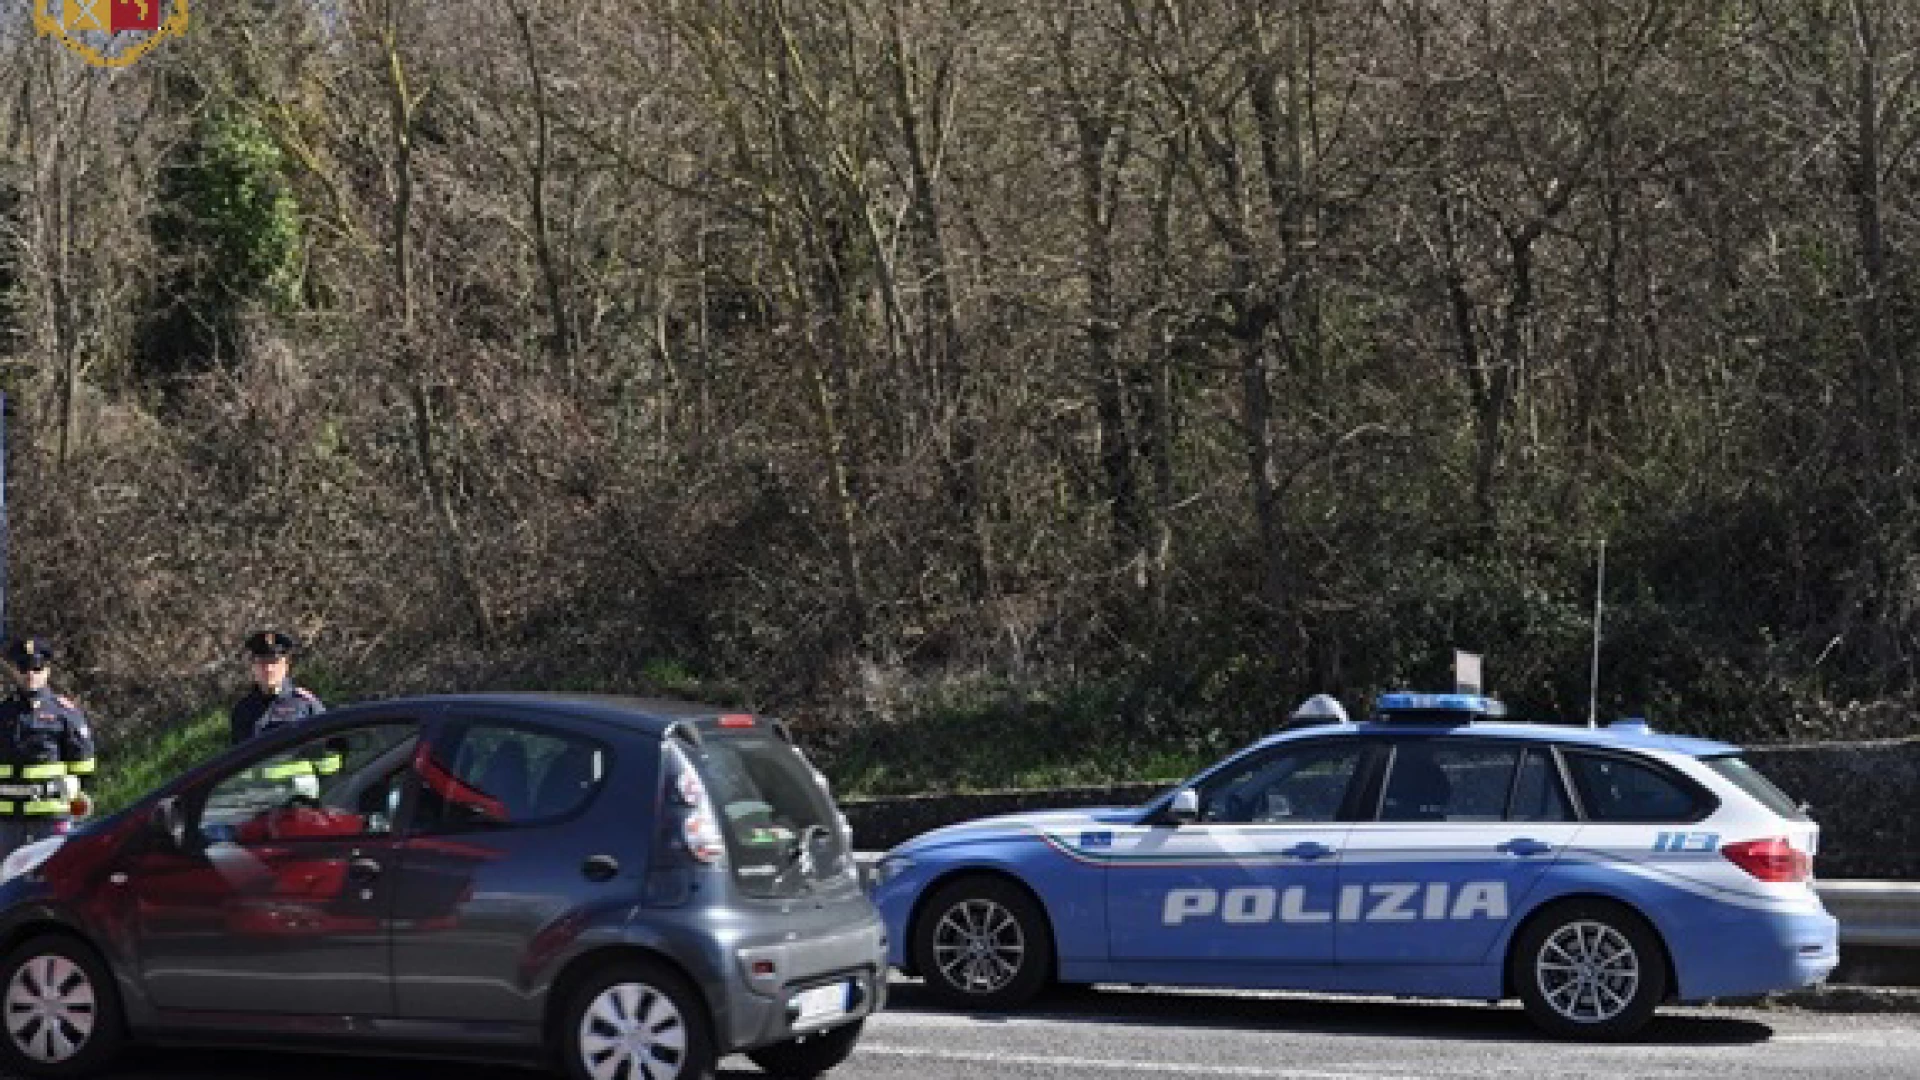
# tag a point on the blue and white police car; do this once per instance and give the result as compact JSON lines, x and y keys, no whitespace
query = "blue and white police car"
{"x":1433,"y":850}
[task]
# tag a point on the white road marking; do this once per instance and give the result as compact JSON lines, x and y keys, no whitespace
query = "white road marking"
{"x":1853,"y":1038}
{"x":1352,"y":1070}
{"x":1158,"y":1068}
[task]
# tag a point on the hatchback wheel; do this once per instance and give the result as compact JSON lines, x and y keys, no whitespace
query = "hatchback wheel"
{"x":62,"y":1015}
{"x":637,"y":1021}
{"x":1590,"y":970}
{"x":809,"y":1055}
{"x":983,"y":943}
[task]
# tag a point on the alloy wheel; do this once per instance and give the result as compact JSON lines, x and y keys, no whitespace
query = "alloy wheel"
{"x":978,"y":946}
{"x":1588,"y":972}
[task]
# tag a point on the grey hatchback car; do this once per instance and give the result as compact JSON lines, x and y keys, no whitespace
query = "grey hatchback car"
{"x":622,"y":889}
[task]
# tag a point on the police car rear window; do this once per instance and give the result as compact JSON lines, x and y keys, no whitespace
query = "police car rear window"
{"x":1617,"y":789}
{"x":1735,"y":770}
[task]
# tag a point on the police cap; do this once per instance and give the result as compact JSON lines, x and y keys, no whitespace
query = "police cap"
{"x":267,"y":644}
{"x":30,"y":653}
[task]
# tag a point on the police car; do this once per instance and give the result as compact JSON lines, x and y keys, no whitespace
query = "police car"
{"x":1433,"y":850}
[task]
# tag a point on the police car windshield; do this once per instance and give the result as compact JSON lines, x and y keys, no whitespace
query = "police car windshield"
{"x":782,"y":829}
{"x":1734,"y":769}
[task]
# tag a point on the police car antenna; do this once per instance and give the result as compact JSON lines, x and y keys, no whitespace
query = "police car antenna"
{"x":1599,"y":591}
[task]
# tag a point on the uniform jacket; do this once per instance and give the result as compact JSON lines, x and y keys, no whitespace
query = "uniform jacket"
{"x":257,"y":713}
{"x":43,"y":736}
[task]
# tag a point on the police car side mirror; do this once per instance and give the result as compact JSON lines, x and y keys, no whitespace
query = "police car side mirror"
{"x":1185,"y":807}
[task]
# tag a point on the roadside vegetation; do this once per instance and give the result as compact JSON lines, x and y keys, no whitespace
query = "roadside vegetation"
{"x":1005,"y":393}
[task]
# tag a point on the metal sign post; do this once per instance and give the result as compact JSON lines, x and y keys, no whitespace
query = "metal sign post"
{"x":1466,"y":673}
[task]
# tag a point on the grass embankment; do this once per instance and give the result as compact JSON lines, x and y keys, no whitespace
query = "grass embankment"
{"x":970,"y":740}
{"x":1024,"y":739}
{"x":149,"y":759}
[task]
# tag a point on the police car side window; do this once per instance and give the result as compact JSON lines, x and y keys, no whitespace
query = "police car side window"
{"x":1433,"y":780}
{"x":343,"y":784}
{"x":1537,"y":794}
{"x":1306,"y":785}
{"x":1618,"y":789}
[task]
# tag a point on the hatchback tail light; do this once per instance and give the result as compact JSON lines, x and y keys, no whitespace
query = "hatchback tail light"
{"x":1773,"y":859}
{"x":699,"y":825}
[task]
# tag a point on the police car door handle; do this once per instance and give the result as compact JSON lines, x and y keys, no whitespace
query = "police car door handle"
{"x":1308,"y":851}
{"x":1524,"y":846}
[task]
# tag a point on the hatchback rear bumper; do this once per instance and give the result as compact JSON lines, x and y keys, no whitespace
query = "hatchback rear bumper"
{"x":758,"y":996}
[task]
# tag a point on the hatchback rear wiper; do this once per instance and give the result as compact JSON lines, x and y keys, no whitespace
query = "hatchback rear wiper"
{"x":801,"y":851}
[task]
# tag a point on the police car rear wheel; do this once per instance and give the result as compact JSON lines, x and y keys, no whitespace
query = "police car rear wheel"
{"x":983,"y":943}
{"x":62,"y":1018}
{"x":1590,"y":970}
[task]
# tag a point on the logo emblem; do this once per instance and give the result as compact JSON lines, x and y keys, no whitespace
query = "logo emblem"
{"x":110,"y":33}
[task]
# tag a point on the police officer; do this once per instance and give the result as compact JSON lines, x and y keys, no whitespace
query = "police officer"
{"x":274,"y":700}
{"x":46,"y":748}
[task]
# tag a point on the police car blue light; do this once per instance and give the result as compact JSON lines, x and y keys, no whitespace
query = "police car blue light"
{"x":1404,"y":704}
{"x":1593,"y":874}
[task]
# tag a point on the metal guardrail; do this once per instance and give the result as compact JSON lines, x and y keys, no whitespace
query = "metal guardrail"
{"x":1881,"y":913}
{"x":1885,"y":914}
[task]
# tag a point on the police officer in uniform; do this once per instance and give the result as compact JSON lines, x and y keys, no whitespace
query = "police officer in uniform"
{"x":46,"y":749}
{"x":274,"y":699}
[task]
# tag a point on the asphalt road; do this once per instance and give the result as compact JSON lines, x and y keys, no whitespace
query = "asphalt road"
{"x":1118,"y":1034}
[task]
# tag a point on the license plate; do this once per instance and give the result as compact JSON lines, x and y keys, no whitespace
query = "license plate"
{"x":821,"y":1004}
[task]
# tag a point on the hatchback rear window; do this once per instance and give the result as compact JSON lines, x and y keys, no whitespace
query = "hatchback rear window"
{"x":782,"y":830}
{"x":1735,"y":770}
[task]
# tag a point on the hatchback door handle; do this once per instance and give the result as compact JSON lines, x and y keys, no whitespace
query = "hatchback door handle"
{"x":1308,"y":851}
{"x":363,"y":869}
{"x":600,"y":868}
{"x":1524,"y":846}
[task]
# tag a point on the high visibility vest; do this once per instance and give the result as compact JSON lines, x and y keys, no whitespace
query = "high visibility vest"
{"x":38,"y":791}
{"x":325,"y":765}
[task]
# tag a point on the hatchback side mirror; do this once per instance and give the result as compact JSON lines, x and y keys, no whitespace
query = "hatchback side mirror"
{"x":1185,"y":807}
{"x":168,"y":824}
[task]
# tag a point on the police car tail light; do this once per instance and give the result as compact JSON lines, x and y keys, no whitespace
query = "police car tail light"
{"x":1773,"y":859}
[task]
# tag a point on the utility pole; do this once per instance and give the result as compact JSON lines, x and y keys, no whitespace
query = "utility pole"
{"x":6,"y":531}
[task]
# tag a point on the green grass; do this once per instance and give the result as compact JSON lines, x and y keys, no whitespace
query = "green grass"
{"x":978,"y":737}
{"x":149,"y":759}
{"x":987,"y":740}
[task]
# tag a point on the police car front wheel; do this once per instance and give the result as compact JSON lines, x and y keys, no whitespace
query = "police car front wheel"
{"x":983,"y":943}
{"x":62,"y":1017}
{"x":1589,"y":969}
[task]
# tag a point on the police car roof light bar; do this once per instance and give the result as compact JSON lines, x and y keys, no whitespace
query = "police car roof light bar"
{"x":1404,"y":706}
